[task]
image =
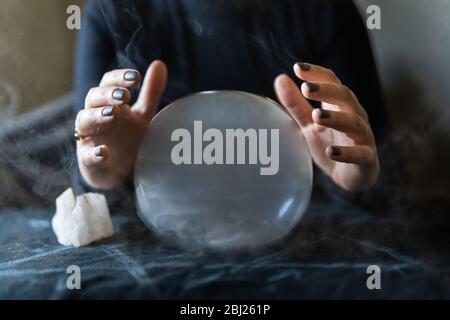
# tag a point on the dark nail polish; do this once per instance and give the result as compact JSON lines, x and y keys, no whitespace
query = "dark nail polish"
{"x":118,"y":94}
{"x":98,"y":152}
{"x":108,"y":111}
{"x":313,"y":87}
{"x":336,"y":152}
{"x":130,"y":76}
{"x":304,"y":66}
{"x":325,"y":114}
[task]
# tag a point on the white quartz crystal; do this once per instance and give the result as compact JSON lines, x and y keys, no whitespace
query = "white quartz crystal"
{"x":83,"y":220}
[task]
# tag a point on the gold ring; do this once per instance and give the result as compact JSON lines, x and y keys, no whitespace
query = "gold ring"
{"x":77,"y":136}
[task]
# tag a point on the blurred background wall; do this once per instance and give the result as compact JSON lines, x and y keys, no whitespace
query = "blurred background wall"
{"x":36,"y":52}
{"x":412,"y":51}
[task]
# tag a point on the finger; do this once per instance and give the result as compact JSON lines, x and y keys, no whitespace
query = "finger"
{"x":313,"y":73}
{"x":105,"y":96}
{"x":91,"y":156}
{"x":292,"y":99}
{"x":90,"y":121}
{"x":349,"y":123}
{"x":334,"y":94}
{"x":360,"y":155}
{"x":152,"y":90}
{"x":126,"y":78}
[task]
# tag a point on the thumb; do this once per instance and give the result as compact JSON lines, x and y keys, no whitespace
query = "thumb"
{"x":292,"y":99}
{"x":152,"y":90}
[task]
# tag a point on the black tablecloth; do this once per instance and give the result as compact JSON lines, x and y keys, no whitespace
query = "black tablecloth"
{"x":326,"y":257}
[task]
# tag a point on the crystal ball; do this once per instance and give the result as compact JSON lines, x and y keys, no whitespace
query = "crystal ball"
{"x":223,"y":170}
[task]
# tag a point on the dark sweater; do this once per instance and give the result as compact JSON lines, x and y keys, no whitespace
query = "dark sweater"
{"x":225,"y":44}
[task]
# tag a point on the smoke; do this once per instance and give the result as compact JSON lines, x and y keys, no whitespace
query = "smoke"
{"x":9,"y":100}
{"x":35,"y":158}
{"x":35,"y":164}
{"x":134,"y":34}
{"x":405,"y":151}
{"x":422,"y":133}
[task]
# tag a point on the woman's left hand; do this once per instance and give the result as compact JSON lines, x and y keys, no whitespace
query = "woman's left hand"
{"x":339,"y":135}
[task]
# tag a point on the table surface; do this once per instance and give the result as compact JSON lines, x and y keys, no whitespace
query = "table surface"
{"x":326,"y":257}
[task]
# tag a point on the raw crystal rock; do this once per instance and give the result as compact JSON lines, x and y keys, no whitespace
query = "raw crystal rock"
{"x":83,"y":220}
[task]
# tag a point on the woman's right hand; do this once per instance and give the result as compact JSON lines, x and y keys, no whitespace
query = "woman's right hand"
{"x":111,"y":131}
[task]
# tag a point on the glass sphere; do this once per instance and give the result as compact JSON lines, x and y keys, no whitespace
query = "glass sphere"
{"x":223,"y":170}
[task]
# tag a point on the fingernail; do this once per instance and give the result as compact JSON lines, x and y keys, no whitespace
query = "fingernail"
{"x":130,"y":75}
{"x":98,"y":152}
{"x":335,"y":152}
{"x":108,"y":111}
{"x":118,"y":94}
{"x":325,"y":114}
{"x":304,"y":66}
{"x":313,"y":87}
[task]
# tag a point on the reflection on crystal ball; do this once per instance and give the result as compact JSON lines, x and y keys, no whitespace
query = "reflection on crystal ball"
{"x":223,"y":170}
